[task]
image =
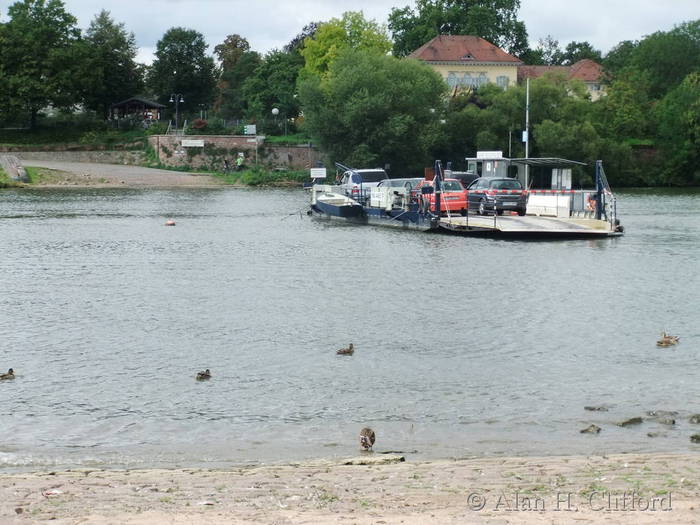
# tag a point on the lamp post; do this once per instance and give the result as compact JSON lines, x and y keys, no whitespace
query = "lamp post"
{"x":177,"y":98}
{"x":275,"y":112}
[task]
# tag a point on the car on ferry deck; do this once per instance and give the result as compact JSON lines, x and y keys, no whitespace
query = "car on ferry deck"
{"x":409,"y":184}
{"x":496,"y":195}
{"x":453,"y":199}
{"x":356,"y":183}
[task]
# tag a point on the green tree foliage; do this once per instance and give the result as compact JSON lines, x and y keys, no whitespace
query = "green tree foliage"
{"x":296,"y":43}
{"x":576,"y":51}
{"x":182,"y":66}
{"x":624,"y":111}
{"x":112,"y":71}
{"x":230,"y":51}
{"x":493,"y":20}
{"x":678,"y":116}
{"x":373,"y":109}
{"x":547,"y":52}
{"x":41,"y":58}
{"x":669,"y":57}
{"x":619,"y":57}
{"x":273,"y":85}
{"x":351,"y":31}
{"x":237,"y":63}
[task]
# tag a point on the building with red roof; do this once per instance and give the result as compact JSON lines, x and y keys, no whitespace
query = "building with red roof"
{"x":587,"y":71}
{"x":468,"y":61}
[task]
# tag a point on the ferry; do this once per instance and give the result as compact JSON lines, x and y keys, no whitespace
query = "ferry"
{"x":553,"y":212}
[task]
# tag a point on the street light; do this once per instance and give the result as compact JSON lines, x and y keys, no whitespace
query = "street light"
{"x":177,"y":98}
{"x":276,"y":112}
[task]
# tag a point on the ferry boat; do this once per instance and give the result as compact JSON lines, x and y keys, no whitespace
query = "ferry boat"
{"x":556,"y":212}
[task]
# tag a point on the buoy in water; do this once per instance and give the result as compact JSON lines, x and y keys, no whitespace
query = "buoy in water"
{"x":170,"y":222}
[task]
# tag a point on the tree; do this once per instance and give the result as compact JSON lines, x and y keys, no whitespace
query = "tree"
{"x":678,"y":116}
{"x":230,"y":51}
{"x":42,"y":57}
{"x":576,"y":51}
{"x":624,"y":111}
{"x":549,"y":51}
{"x":296,"y":43}
{"x":182,"y":66}
{"x":493,"y":20}
{"x":273,"y":85}
{"x":113,"y":72}
{"x":669,"y":57}
{"x":351,"y":31}
{"x":620,"y":56}
{"x":373,"y":109}
{"x":237,"y":63}
{"x":231,"y":100}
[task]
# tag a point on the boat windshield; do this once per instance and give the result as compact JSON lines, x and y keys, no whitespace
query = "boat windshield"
{"x":506,"y":184}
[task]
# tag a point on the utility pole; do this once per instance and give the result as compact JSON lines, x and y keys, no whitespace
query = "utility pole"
{"x":527,"y":130}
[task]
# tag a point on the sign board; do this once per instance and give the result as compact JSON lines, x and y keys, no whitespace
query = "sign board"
{"x":192,"y":143}
{"x":261,"y":138}
{"x":524,"y":136}
{"x":251,"y":140}
{"x":318,"y":173}
{"x":489,"y":154}
{"x":250,"y":129}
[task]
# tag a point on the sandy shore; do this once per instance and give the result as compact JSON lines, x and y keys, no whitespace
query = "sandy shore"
{"x":627,"y":488}
{"x":83,"y":174}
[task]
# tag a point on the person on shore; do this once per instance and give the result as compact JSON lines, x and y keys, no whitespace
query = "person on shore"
{"x":227,"y":166}
{"x":239,"y":162}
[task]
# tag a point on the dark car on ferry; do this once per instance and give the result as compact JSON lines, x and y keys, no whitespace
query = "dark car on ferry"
{"x":496,"y":195}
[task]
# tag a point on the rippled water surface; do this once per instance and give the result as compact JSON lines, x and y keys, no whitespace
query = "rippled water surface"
{"x":463,"y":345}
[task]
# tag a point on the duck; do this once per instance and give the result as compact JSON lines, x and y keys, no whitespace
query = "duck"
{"x":367,"y":438}
{"x":10,"y":375}
{"x":667,"y":340}
{"x":346,"y":351}
{"x":203,"y":376}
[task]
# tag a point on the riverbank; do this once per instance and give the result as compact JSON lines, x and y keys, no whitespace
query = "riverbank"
{"x":623,"y":488}
{"x":52,"y":174}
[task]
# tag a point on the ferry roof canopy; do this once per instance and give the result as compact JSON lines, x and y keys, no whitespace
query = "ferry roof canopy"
{"x":548,"y":162}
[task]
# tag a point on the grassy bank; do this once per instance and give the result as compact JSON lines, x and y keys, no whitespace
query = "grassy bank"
{"x":5,"y":181}
{"x":258,"y":176}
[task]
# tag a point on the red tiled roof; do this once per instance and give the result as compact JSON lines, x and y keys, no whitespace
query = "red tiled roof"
{"x":585,"y":70}
{"x":462,"y":48}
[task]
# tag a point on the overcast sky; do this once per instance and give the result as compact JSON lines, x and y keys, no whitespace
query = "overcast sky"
{"x":269,"y":24}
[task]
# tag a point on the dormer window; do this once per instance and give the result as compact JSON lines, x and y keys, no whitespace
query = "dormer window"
{"x":468,"y":56}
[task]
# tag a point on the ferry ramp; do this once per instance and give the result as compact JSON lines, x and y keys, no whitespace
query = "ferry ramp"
{"x":528,"y":225}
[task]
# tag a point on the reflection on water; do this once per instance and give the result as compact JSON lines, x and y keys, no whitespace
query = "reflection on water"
{"x":463,"y":345}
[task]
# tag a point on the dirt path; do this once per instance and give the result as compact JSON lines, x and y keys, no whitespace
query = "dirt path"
{"x":88,"y":174}
{"x":616,"y":489}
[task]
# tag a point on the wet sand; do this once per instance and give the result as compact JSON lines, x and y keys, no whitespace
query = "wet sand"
{"x":626,"y":488}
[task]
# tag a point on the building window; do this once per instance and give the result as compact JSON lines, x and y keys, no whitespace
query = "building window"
{"x":502,"y":81}
{"x":452,"y":79}
{"x":466,"y":80}
{"x":482,"y":80}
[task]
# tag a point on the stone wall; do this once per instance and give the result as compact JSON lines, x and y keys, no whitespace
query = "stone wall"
{"x":217,"y":149}
{"x":14,"y":169}
{"x":101,"y":157}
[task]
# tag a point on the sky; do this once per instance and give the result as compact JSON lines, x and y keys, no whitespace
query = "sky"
{"x":269,"y":24}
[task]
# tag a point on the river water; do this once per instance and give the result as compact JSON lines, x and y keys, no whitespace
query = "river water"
{"x":464,"y":346}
